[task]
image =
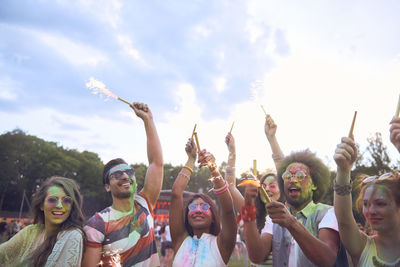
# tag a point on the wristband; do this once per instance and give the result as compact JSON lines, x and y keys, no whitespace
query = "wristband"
{"x":248,"y":213}
{"x":342,"y":190}
{"x":218,"y":191}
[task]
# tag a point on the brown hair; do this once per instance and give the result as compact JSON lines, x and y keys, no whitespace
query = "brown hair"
{"x":391,"y":185}
{"x":215,"y":226}
{"x":75,"y":219}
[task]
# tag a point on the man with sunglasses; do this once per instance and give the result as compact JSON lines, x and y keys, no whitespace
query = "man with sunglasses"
{"x":126,"y":229}
{"x":300,"y":232}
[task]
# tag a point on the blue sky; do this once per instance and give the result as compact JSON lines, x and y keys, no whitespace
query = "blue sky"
{"x":310,"y":63}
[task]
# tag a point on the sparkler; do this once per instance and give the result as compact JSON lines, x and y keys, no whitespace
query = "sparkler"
{"x":197,"y":141}
{"x":255,"y":167}
{"x":352,"y":126}
{"x":194,"y":130}
{"x":398,"y":108}
{"x":233,"y":123}
{"x":98,"y":87}
{"x":264,"y":110}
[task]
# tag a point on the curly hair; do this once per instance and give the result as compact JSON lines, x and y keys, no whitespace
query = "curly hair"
{"x":319,"y":172}
{"x":215,"y":226}
{"x":75,"y":219}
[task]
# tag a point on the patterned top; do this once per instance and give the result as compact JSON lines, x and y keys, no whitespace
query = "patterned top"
{"x":67,"y":251}
{"x":199,"y":252}
{"x":369,"y":256}
{"x":132,"y":234}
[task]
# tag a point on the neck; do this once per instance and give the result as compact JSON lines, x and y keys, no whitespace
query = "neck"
{"x":294,"y":209}
{"x":49,"y":229}
{"x":200,"y":232}
{"x":123,"y":204}
{"x":389,"y":238}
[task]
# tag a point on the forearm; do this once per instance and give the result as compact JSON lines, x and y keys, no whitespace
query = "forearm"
{"x":230,"y":176}
{"x":255,"y":246}
{"x":154,"y":151}
{"x":277,"y":154}
{"x":228,"y":219}
{"x":313,"y":248}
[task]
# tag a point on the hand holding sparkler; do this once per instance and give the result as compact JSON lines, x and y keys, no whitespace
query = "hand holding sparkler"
{"x":270,"y":127}
{"x":251,"y":182}
{"x":230,"y":142}
{"x":191,"y":150}
{"x":395,"y":128}
{"x":142,"y":111}
{"x":207,"y":159}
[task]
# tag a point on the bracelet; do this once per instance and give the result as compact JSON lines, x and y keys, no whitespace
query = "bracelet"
{"x":342,"y":190}
{"x":277,"y":156}
{"x":221,"y":190}
{"x":184,"y":174}
{"x":248,"y":213}
{"x":188,"y":168}
{"x":212,"y":179}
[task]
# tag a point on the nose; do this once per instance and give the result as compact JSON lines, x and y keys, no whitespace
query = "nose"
{"x":59,"y":204}
{"x":372,"y":209}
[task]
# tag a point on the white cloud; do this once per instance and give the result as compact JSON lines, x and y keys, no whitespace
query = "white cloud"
{"x":74,"y":52}
{"x":220,"y":84}
{"x":126,"y":43}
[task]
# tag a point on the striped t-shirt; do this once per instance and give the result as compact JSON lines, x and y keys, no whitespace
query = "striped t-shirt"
{"x":131,"y":234}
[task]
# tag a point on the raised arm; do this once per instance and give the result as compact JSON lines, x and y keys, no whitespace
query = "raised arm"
{"x":230,"y":176}
{"x":227,"y":237}
{"x":154,"y":176}
{"x":395,"y":132}
{"x":176,"y":212}
{"x":258,"y":246}
{"x":270,"y":131}
{"x":353,"y":239}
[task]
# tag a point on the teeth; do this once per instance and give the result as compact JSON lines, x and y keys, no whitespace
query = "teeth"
{"x":58,"y":213}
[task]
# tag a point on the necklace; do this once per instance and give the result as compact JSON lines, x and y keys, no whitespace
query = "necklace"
{"x":377,"y":263}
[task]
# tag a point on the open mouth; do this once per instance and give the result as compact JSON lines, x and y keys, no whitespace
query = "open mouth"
{"x":294,"y":191}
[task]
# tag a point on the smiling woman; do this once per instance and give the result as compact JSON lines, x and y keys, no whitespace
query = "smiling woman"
{"x":56,"y":238}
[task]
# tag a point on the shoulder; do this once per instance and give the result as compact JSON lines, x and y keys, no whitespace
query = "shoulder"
{"x":75,"y":233}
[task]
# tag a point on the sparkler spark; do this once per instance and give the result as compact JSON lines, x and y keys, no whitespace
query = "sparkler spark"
{"x":99,"y":88}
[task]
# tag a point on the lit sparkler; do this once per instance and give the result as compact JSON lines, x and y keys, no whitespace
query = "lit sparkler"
{"x":98,"y":87}
{"x":398,"y":108}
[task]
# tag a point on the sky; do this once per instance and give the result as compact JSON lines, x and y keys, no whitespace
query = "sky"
{"x":311,"y":64}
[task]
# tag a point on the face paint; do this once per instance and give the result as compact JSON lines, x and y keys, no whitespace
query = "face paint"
{"x":298,"y":191}
{"x":56,"y":206}
{"x":199,"y":218}
{"x":271,"y":187}
{"x":379,"y":209}
{"x":122,"y":181}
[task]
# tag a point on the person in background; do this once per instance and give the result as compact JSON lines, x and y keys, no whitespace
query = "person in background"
{"x":56,"y":237}
{"x":167,"y":252}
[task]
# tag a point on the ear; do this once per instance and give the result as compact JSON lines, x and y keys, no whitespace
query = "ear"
{"x":107,"y":187}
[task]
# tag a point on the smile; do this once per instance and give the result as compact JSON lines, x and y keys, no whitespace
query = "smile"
{"x":58,"y":213}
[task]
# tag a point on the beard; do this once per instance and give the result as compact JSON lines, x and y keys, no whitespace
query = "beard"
{"x":302,"y":200}
{"x":122,"y":195}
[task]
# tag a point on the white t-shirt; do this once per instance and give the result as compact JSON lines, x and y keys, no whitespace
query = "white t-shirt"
{"x":329,"y":221}
{"x":167,"y":234}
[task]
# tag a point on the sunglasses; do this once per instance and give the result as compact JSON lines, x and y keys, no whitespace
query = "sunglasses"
{"x":203,"y":206}
{"x":120,"y":174}
{"x":269,"y":186}
{"x":300,"y":175}
{"x":53,"y":201}
{"x":382,"y":177}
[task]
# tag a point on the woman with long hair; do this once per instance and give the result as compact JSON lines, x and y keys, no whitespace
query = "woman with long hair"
{"x":56,"y":237}
{"x":198,"y":237}
{"x":380,"y":202}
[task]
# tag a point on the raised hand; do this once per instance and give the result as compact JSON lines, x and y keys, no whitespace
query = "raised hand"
{"x":142,"y":110}
{"x":270,"y":127}
{"x":230,"y":142}
{"x":345,"y":154}
{"x":395,"y":132}
{"x":250,"y":194}
{"x":191,"y":149}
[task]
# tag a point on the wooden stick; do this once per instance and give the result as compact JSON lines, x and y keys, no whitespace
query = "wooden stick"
{"x":264,"y":193}
{"x":123,"y":100}
{"x":233,"y":123}
{"x":194,"y":129}
{"x":264,"y":110}
{"x":255,"y":167}
{"x":352,"y":126}
{"x":398,"y":108}
{"x":197,"y":141}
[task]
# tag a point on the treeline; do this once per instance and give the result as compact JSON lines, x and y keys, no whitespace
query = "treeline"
{"x":25,"y":161}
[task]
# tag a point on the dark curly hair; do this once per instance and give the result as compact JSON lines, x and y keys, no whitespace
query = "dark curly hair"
{"x":215,"y":226}
{"x":319,"y":172}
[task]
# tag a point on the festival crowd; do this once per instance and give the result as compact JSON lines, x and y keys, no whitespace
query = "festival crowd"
{"x":279,"y":217}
